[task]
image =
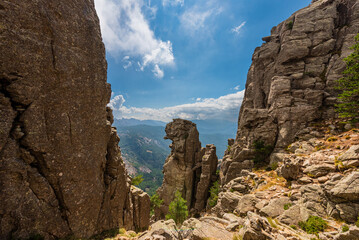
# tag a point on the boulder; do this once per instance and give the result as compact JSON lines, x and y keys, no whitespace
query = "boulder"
{"x":227,"y":202}
{"x":351,"y":157}
{"x":352,"y":234}
{"x":289,"y":169}
{"x":206,"y":228}
{"x":246,"y":204}
{"x":319,"y":170}
{"x":347,"y":188}
{"x":255,"y":228}
{"x":161,"y":230}
{"x":275,"y":207}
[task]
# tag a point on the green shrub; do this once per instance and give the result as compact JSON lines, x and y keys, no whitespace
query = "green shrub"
{"x":274,"y":166}
{"x":121,"y":231}
{"x":290,"y":25}
{"x":137,"y":180}
{"x":271,"y":222}
{"x":287,"y":206}
{"x":348,"y":106}
{"x":345,"y":228}
{"x":293,"y":227}
{"x":156,"y":202}
{"x":213,"y":191}
{"x":357,"y":222}
{"x":261,"y":151}
{"x":178,"y":209}
{"x":313,"y":225}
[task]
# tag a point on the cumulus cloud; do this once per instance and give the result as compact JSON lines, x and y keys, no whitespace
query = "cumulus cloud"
{"x":126,"y":31}
{"x":224,"y":107}
{"x":238,"y":28}
{"x":158,"y":72}
{"x":173,"y":2}
{"x":116,"y":102}
{"x":236,"y":87}
{"x":194,"y":19}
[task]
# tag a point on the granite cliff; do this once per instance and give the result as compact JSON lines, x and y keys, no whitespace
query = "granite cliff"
{"x":61,"y":171}
{"x":290,"y":82}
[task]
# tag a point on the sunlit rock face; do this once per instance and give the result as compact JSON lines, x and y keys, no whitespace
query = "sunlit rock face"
{"x":189,"y":168}
{"x":290,"y":83}
{"x":61,"y":171}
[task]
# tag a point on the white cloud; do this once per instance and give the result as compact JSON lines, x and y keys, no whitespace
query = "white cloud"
{"x":158,"y":72}
{"x":172,"y":2}
{"x":127,"y":62}
{"x":126,"y":31}
{"x":224,"y":107}
{"x":236,"y":87}
{"x":116,"y":102}
{"x":238,"y":28}
{"x":195,"y":18}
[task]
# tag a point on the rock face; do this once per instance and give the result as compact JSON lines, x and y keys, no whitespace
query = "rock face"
{"x":189,"y":168}
{"x":290,"y":82}
{"x":61,"y":171}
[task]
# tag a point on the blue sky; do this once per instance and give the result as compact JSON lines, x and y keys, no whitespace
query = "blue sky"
{"x":182,"y":58}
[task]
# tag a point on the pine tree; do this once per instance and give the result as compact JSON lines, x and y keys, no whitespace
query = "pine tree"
{"x":348,"y":106}
{"x":137,"y":180}
{"x":178,"y":209}
{"x":156,"y":202}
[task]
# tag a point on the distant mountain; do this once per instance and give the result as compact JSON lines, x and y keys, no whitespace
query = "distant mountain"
{"x":144,"y":149}
{"x":127,"y":122}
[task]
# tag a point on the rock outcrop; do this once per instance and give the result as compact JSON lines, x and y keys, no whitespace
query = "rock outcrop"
{"x":290,"y":82}
{"x":189,"y":168}
{"x":61,"y":171}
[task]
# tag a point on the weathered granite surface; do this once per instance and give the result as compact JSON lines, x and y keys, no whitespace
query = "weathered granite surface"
{"x":290,"y":82}
{"x":61,"y":171}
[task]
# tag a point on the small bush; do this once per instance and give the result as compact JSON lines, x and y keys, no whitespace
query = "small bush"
{"x":357,"y":222}
{"x":274,"y":166}
{"x":293,"y":227}
{"x":313,"y":225}
{"x":345,"y":228}
{"x":287,"y":206}
{"x":213,"y":191}
{"x":290,"y":25}
{"x":137,"y":180}
{"x":332,"y":139}
{"x":271,"y":222}
{"x":178,"y":209}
